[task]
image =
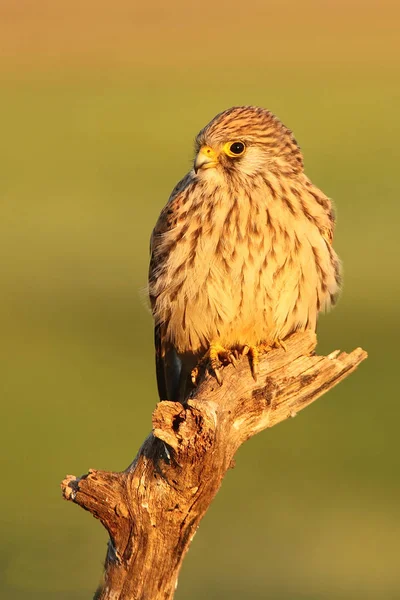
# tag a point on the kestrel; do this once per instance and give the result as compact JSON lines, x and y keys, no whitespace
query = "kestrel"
{"x":241,"y":255}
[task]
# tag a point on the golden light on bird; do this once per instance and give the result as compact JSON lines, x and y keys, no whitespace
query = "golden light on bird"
{"x":241,"y":255}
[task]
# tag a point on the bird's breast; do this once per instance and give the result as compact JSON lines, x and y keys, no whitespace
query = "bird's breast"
{"x":239,"y":268}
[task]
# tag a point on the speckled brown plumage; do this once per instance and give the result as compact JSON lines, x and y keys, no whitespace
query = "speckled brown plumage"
{"x":241,"y":255}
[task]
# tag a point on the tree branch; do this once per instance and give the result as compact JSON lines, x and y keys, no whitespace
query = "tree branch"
{"x":153,"y":508}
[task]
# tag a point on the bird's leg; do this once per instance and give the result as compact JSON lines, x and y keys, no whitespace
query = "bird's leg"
{"x":216,"y":356}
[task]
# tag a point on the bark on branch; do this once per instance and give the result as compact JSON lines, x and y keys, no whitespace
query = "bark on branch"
{"x":153,"y":508}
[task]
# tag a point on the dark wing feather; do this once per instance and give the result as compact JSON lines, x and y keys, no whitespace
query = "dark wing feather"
{"x":160,"y":372}
{"x":168,"y":367}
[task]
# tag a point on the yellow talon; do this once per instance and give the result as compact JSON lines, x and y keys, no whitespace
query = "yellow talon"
{"x":254,"y":359}
{"x":278,"y":343}
{"x":233,"y":360}
{"x":217,"y":356}
{"x":218,"y":376}
{"x":214,"y":351}
{"x":254,"y":353}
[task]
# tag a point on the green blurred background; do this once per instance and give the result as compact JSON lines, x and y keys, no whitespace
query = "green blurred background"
{"x":99,"y":105}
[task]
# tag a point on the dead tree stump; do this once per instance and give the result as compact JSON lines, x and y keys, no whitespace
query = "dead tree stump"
{"x":153,"y":508}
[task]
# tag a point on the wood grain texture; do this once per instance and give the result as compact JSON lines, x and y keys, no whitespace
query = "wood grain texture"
{"x":153,"y":508}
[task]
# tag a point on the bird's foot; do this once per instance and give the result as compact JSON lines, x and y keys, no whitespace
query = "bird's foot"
{"x":219,"y":356}
{"x":216,"y":357}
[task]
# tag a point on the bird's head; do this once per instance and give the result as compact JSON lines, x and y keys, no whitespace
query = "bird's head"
{"x":244,"y":141}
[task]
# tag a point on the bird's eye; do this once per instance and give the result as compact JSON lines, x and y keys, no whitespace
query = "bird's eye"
{"x":234,"y":149}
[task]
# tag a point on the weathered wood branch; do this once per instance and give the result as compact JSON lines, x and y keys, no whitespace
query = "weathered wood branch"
{"x":153,"y":508}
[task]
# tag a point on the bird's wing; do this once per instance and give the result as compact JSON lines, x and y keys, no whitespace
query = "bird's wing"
{"x":327,"y":217}
{"x":160,"y":372}
{"x":168,"y":365}
{"x":327,"y":233}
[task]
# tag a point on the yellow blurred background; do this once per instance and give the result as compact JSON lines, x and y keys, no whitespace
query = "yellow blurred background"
{"x":99,"y":104}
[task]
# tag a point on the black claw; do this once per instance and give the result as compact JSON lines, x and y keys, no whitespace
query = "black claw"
{"x":218,"y":376}
{"x":254,"y":371}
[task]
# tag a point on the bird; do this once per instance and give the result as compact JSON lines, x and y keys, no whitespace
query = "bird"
{"x":241,"y":255}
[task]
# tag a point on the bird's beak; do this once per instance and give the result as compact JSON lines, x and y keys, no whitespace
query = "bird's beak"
{"x":206,"y":158}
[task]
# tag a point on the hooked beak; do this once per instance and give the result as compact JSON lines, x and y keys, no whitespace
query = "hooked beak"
{"x":206,"y":158}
